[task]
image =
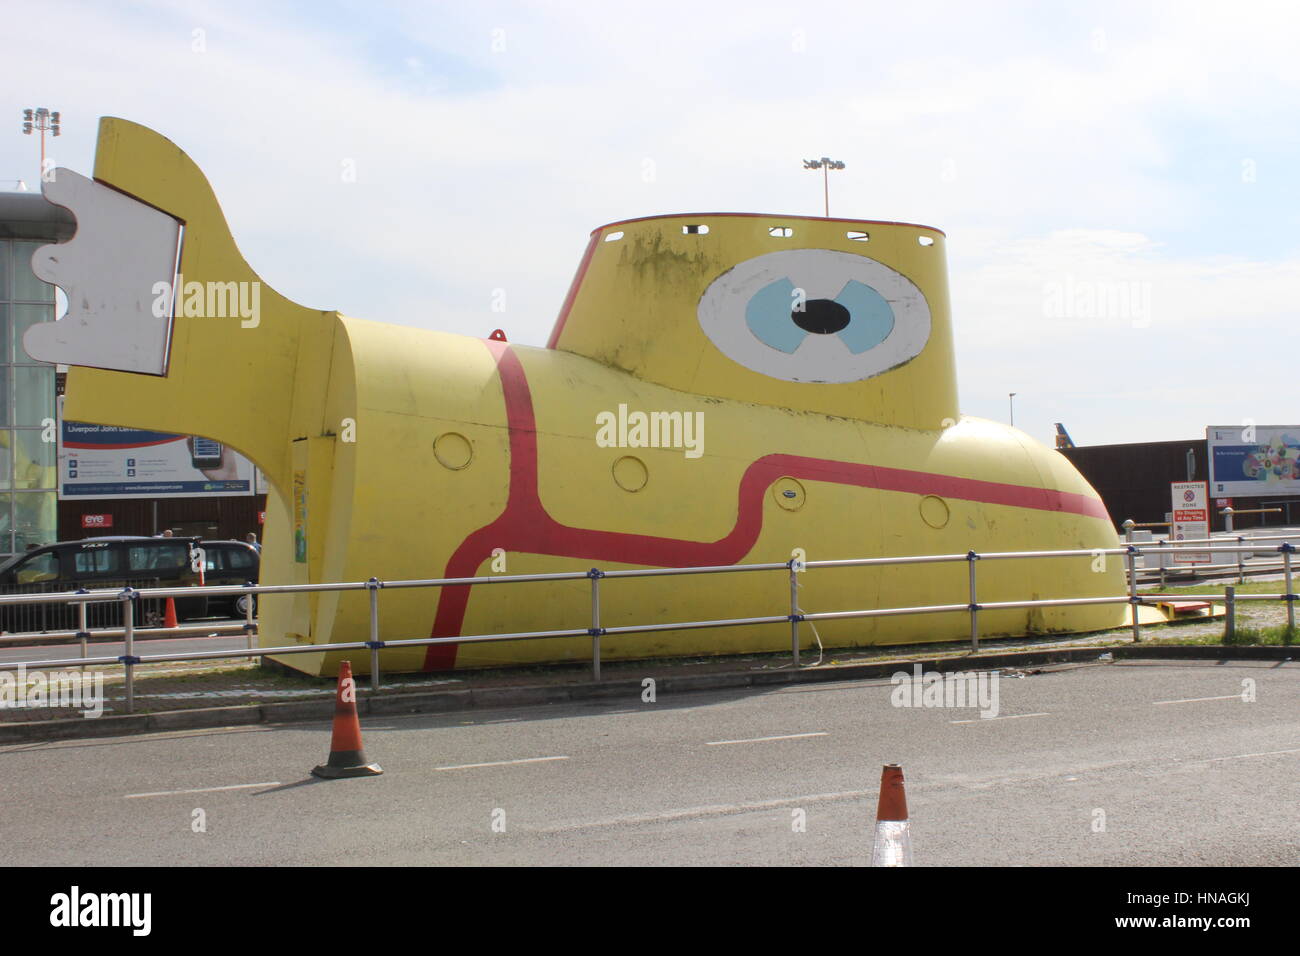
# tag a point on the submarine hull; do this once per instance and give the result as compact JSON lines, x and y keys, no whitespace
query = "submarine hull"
{"x":719,"y":389}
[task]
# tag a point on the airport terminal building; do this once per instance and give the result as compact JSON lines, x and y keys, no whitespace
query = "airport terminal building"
{"x":1245,"y":467}
{"x":28,"y":456}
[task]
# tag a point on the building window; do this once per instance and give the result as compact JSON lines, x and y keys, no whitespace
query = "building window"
{"x":28,"y":463}
{"x":26,"y":287}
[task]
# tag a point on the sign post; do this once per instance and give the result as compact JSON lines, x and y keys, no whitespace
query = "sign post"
{"x":1191,"y":519}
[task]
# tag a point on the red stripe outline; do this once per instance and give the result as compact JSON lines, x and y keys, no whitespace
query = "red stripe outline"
{"x":769,"y":215}
{"x":573,"y":290}
{"x":525,"y":526}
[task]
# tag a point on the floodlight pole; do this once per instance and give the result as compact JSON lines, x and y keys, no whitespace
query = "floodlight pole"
{"x":825,"y":164}
{"x":43,"y":121}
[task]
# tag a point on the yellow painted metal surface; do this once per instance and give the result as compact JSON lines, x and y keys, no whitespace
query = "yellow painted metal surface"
{"x":404,"y":453}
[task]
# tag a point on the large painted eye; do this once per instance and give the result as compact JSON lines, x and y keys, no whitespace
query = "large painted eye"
{"x":815,"y":315}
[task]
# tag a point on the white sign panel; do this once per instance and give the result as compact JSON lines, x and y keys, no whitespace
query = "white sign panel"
{"x":112,"y":270}
{"x":1250,"y":461}
{"x":1191,"y":517}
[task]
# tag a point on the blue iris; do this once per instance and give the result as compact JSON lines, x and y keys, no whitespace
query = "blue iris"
{"x":770,"y":318}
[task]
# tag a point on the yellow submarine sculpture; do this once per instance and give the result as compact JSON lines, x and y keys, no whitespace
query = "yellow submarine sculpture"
{"x":718,"y":389}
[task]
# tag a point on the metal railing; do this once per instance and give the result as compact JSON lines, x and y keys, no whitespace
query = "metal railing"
{"x":65,"y":615}
{"x":972,"y":606}
{"x":1171,"y":548}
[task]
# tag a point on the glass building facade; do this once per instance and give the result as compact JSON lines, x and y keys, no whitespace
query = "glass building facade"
{"x":28,"y":450}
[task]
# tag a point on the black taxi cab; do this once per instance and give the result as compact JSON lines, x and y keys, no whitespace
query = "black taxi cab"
{"x":120,"y":561}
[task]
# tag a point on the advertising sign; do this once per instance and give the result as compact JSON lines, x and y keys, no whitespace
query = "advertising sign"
{"x":107,"y":461}
{"x":97,"y":521}
{"x":1253,"y":460}
{"x":1191,"y":517}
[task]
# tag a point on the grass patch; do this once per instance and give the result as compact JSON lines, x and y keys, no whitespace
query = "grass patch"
{"x":1201,"y":639}
{"x":1280,"y":635}
{"x":244,"y":675}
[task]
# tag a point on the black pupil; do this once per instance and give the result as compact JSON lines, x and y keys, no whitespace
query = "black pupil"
{"x":821,"y":317}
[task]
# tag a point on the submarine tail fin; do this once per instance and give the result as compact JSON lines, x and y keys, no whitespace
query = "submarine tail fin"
{"x":168,"y":327}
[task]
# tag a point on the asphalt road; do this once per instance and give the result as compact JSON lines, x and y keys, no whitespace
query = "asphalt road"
{"x":1133,"y":764}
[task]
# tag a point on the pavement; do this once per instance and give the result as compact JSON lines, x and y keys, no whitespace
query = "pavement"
{"x":1128,"y":763}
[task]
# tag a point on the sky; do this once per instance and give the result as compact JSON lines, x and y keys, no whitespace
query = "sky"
{"x":1116,"y":180}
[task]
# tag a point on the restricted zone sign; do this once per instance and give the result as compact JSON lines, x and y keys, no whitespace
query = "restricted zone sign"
{"x":1190,"y":501}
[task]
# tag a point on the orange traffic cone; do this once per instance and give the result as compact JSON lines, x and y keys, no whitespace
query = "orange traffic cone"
{"x":346,"y":759}
{"x":169,"y":614}
{"x":893,"y":845}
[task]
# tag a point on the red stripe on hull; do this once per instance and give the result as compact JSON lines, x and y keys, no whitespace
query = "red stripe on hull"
{"x":525,"y":526}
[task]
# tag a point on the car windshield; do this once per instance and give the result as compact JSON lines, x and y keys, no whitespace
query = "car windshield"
{"x":158,"y":556}
{"x":37,"y":568}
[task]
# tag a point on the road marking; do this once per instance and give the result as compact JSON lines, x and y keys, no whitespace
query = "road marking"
{"x":1266,"y":753}
{"x":171,"y":793}
{"x":1197,"y":700}
{"x":500,"y":763}
{"x":756,"y":740}
{"x":715,"y":810}
{"x":982,"y":720}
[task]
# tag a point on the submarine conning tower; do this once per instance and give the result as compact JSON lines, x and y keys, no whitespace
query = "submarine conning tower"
{"x":845,"y":317}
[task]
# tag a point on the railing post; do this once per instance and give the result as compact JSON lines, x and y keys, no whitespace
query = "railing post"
{"x":1133,"y":599}
{"x":1229,"y":614}
{"x":1129,"y":526}
{"x":250,"y":626}
{"x":373,"y":586}
{"x":83,"y":632}
{"x":1241,"y":560}
{"x":595,"y":574}
{"x":127,"y":597}
{"x":795,"y":616}
{"x":1287,"y":549}
{"x":971,"y":558}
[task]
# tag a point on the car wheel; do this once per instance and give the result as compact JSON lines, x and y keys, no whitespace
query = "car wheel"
{"x":241,"y":605}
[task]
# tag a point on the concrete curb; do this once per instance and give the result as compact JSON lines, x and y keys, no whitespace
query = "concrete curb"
{"x":1215,"y":652}
{"x":447,"y":701}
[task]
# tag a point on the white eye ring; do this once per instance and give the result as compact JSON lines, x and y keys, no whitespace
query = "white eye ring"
{"x":820,"y":274}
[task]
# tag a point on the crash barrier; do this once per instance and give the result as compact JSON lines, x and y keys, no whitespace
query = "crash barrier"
{"x":128,"y":597}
